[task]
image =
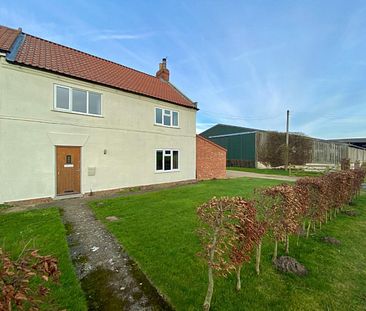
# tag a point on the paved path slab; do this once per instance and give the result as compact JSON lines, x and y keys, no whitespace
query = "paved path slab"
{"x":239,"y":174}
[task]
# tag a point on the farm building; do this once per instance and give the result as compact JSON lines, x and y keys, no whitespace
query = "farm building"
{"x":248,"y":147}
{"x":353,"y":142}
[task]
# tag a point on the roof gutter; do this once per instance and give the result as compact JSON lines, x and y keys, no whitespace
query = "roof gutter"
{"x":234,"y":134}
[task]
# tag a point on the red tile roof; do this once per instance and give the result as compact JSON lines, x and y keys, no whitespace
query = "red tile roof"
{"x":50,"y":56}
{"x":7,"y":37}
{"x":210,"y":142}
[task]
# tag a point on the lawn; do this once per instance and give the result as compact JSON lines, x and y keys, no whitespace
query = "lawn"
{"x":43,"y":230}
{"x":270,"y":171}
{"x":158,"y":230}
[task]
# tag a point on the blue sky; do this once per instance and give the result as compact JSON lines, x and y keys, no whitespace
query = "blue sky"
{"x":244,"y":62}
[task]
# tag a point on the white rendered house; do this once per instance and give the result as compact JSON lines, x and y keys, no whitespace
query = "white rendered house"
{"x":74,"y":123}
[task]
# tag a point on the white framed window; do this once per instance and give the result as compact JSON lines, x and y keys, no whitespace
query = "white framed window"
{"x":77,"y":101}
{"x":166,"y":117}
{"x":166,"y":160}
{"x":175,"y":118}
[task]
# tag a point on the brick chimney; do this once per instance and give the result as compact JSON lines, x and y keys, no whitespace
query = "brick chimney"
{"x":163,"y":72}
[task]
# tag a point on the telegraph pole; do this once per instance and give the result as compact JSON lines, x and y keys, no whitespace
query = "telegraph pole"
{"x":287,"y":139}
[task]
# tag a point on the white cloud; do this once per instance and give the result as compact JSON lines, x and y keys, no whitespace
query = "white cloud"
{"x":111,"y":36}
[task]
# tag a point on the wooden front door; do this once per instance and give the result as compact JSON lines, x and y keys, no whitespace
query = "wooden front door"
{"x":68,"y":170}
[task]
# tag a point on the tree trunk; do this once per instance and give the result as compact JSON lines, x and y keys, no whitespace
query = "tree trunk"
{"x":238,"y":281}
{"x":275,"y":251}
{"x":308,"y":230}
{"x":207,"y":303}
{"x":258,"y":257}
{"x":287,"y":244}
{"x":326,"y":217}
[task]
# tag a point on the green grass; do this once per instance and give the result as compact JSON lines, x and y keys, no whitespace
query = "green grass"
{"x":44,"y":230}
{"x":271,"y":171}
{"x":159,"y":231}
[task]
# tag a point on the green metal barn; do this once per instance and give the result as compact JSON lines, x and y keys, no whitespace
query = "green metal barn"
{"x":248,"y":147}
{"x":240,"y":143}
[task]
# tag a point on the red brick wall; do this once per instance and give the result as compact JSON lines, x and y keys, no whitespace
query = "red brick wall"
{"x":210,"y":159}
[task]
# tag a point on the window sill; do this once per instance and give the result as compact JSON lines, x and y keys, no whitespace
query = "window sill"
{"x":78,"y":113}
{"x":167,"y":126}
{"x":162,"y":172}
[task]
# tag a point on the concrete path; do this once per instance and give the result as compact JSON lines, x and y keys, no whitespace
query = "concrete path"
{"x":109,"y":278}
{"x":238,"y":174}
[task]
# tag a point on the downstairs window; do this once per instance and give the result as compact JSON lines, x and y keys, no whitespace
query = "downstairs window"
{"x":167,"y":160}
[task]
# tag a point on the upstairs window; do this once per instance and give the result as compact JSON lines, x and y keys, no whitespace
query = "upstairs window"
{"x":167,"y":160}
{"x":166,"y":117}
{"x":94,"y":103}
{"x":175,"y":119}
{"x":62,"y":97}
{"x":77,"y":101}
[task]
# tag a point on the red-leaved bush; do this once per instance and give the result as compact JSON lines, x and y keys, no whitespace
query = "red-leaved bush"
{"x":15,"y":278}
{"x":285,"y":215}
{"x":315,"y":199}
{"x":248,"y":232}
{"x":228,"y":233}
{"x":231,"y":227}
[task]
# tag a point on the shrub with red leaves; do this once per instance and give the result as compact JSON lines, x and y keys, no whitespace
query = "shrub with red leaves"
{"x":228,"y":233}
{"x":315,"y":199}
{"x":217,"y":234}
{"x":248,"y":233}
{"x":15,"y":278}
{"x":231,"y":227}
{"x":341,"y":185}
{"x":263,"y":205}
{"x":325,"y":196}
{"x":360,"y":175}
{"x":285,"y":215}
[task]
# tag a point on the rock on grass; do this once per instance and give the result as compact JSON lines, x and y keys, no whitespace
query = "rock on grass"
{"x":112,"y":218}
{"x":289,"y":265}
{"x":331,"y":240}
{"x":350,"y":213}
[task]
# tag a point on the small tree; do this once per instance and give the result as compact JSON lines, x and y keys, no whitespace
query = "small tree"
{"x":263,"y":204}
{"x":315,"y":198}
{"x":340,"y":184}
{"x":248,"y":233}
{"x":217,"y":234}
{"x":284,"y":215}
{"x":359,"y":174}
{"x":345,"y":164}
